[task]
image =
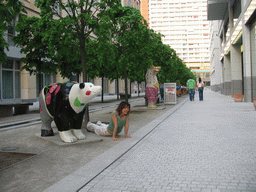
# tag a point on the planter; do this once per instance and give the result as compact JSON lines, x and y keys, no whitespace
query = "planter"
{"x":238,"y":97}
{"x":254,"y":103}
{"x":178,"y":93}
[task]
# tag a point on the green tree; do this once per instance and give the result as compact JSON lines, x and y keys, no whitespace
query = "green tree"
{"x":128,"y":32}
{"x":67,"y":28}
{"x":9,"y":9}
{"x":172,"y":67}
{"x":31,"y":37}
{"x":36,"y":49}
{"x":101,"y":61}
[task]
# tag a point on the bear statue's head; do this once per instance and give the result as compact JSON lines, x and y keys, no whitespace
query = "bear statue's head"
{"x":155,"y":69}
{"x":81,"y":93}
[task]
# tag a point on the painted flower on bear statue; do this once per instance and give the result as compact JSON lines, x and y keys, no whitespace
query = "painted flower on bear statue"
{"x":57,"y":90}
{"x":48,"y":99}
{"x":53,"y":88}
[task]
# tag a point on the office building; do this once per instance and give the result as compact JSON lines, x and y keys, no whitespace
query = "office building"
{"x":233,"y":47}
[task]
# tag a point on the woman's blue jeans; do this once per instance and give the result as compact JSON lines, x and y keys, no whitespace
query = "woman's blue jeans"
{"x":200,"y":90}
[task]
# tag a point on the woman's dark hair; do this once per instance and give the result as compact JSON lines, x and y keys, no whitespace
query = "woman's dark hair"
{"x":122,"y":105}
{"x":199,"y":79}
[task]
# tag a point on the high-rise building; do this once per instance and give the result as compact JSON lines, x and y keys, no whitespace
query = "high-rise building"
{"x":185,"y":28}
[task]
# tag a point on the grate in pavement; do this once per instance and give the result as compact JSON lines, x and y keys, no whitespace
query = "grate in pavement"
{"x":7,"y":159}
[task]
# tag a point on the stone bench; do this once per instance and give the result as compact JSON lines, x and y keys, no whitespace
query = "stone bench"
{"x":6,"y":110}
{"x":122,"y":96}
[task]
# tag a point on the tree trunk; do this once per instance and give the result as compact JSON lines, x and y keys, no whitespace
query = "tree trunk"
{"x":117,"y":88}
{"x":138,"y":89}
{"x":130,"y":88}
{"x":102,"y":91}
{"x":82,"y":50}
{"x":40,"y":82}
{"x":126,"y":84}
{"x":83,"y":60}
{"x":145,"y":79}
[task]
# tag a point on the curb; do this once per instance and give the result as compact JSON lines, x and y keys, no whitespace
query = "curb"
{"x":85,"y":174}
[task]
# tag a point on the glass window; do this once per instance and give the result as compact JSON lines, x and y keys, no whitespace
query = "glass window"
{"x":8,"y":64}
{"x":17,"y":84}
{"x":17,"y":64}
{"x":39,"y":84}
{"x":46,"y":79}
{"x":11,"y":32}
{"x":10,"y":80}
{"x":7,"y":84}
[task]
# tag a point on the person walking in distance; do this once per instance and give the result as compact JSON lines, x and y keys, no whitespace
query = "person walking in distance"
{"x":200,"y":85}
{"x":191,"y":84}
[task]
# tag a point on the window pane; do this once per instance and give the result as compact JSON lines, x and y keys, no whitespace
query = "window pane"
{"x":11,"y":30}
{"x":54,"y":79}
{"x":73,"y":78}
{"x":47,"y":79}
{"x":39,"y":87}
{"x":7,"y":84}
{"x":10,"y":41}
{"x":8,"y":64}
{"x":17,"y":64}
{"x":17,"y":84}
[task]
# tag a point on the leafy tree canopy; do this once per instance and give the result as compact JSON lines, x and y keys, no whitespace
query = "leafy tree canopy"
{"x":9,"y":9}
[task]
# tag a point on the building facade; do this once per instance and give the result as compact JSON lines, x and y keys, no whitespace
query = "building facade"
{"x":185,"y":28}
{"x":19,"y":89}
{"x":233,"y":47}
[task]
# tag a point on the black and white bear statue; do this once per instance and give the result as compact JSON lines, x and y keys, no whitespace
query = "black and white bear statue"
{"x":65,"y":104}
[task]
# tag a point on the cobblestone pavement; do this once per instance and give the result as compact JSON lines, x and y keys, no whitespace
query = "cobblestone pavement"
{"x":53,"y":163}
{"x":204,"y":146}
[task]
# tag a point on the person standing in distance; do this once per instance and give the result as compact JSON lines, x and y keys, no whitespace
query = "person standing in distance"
{"x":200,"y":85}
{"x":191,"y":84}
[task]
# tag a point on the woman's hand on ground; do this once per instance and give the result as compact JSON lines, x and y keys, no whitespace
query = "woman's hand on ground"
{"x":115,"y":139}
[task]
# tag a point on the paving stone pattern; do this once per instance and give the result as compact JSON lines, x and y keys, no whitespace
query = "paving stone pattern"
{"x":53,"y":162}
{"x":204,"y":146}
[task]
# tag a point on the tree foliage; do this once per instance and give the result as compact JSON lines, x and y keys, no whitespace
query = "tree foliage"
{"x":103,"y":39}
{"x":32,"y":32}
{"x":67,"y":28}
{"x":129,"y":34}
{"x":9,"y":9}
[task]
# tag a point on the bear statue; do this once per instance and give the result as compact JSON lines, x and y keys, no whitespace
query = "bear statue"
{"x":65,"y":104}
{"x":152,"y":86}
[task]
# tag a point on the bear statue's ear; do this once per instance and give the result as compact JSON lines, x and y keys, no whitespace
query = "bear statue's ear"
{"x":81,"y":85}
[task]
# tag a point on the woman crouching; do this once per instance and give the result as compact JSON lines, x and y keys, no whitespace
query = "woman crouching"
{"x":119,"y":119}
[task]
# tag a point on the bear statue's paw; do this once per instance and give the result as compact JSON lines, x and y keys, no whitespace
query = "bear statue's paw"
{"x":78,"y":133}
{"x":152,"y":105}
{"x":67,"y":136}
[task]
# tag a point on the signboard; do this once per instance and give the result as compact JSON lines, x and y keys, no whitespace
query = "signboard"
{"x":170,"y":93}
